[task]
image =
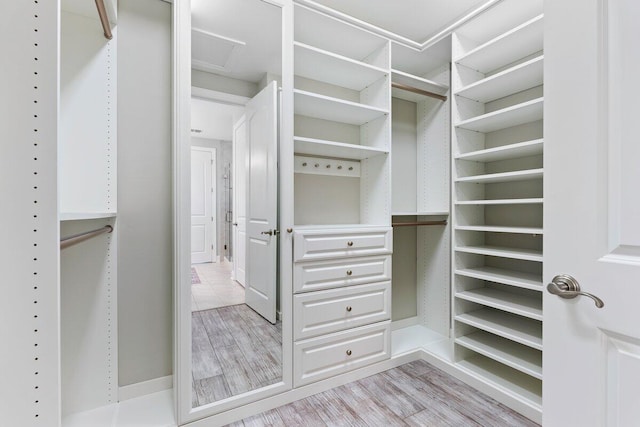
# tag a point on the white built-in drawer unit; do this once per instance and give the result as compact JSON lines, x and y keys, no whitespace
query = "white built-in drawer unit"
{"x":334,"y":310}
{"x":319,"y":358}
{"x":319,"y":275}
{"x":311,"y":245}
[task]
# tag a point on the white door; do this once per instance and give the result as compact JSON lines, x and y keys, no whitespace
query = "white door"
{"x":592,"y":212}
{"x":239,"y":184}
{"x":202,"y":205}
{"x":262,"y":202}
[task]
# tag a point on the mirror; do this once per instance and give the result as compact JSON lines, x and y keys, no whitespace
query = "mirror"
{"x":236,"y":333}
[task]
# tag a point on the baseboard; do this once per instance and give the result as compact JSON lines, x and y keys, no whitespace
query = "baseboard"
{"x":404,"y":323}
{"x":132,"y":391}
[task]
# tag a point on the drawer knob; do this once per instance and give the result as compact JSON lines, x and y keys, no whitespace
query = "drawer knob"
{"x":348,"y":352}
{"x":349,"y":272}
{"x":349,"y":243}
{"x":349,"y":308}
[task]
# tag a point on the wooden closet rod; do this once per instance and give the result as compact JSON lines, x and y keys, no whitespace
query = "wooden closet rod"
{"x":419,"y":223}
{"x":418,"y":91}
{"x":81,"y":237}
{"x":104,"y":19}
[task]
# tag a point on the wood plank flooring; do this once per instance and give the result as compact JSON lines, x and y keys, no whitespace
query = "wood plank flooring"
{"x":416,"y":394}
{"x":234,"y":350}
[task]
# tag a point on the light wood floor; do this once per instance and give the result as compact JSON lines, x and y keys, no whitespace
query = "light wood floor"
{"x":415,"y":394}
{"x":234,"y":350}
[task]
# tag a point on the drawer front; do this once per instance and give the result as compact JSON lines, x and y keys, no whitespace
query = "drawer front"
{"x":324,"y":312}
{"x":319,"y":358}
{"x":315,"y":276}
{"x":324,"y":244}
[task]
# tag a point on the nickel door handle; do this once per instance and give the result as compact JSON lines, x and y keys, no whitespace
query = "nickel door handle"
{"x":271,"y":232}
{"x":566,"y":286}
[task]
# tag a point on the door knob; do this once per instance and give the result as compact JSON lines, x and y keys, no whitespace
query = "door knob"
{"x":566,"y":286}
{"x":268,"y":232}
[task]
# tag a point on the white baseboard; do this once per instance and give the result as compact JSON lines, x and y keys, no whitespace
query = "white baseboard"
{"x":155,"y":385}
{"x":404,"y":323}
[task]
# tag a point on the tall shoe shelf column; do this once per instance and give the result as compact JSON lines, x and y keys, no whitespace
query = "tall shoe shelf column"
{"x":342,"y":235}
{"x":497,"y":173}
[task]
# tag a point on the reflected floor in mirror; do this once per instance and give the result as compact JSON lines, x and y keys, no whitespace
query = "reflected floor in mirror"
{"x":213,"y":287}
{"x":415,"y":394}
{"x":234,"y":350}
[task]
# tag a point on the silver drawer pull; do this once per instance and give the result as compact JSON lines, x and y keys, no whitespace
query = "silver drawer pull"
{"x":348,"y":352}
{"x":349,"y":272}
{"x":349,"y":308}
{"x":349,"y":243}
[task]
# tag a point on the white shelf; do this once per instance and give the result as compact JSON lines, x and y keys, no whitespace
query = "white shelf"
{"x":515,"y":328}
{"x":334,"y":109}
{"x":521,"y":305}
{"x":323,"y":148}
{"x":513,"y":80}
{"x":78,"y":216}
{"x":535,"y":201}
{"x":416,"y":337}
{"x":524,"y":386}
{"x":439,"y":213}
{"x":506,"y":277}
{"x":493,"y":178}
{"x":329,"y":227}
{"x":500,"y":229}
{"x":324,"y":66}
{"x":523,"y":254}
{"x":516,"y":356}
{"x":416,"y":82}
{"x":515,"y":115}
{"x":515,"y":44}
{"x":505,"y":152}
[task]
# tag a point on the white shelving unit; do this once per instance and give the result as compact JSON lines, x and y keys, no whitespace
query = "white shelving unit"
{"x":497,"y":149}
{"x":334,"y":109}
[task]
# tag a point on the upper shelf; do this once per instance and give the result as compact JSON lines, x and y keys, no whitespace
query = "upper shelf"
{"x":416,"y":82}
{"x":77,"y":216}
{"x":515,"y":79}
{"x":515,"y":115}
{"x":505,"y":152}
{"x":327,"y":108}
{"x":515,"y":44}
{"x":324,"y":66}
{"x":493,"y":178}
{"x":323,"y":148}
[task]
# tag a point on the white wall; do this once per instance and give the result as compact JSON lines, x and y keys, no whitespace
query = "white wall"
{"x":145,"y":319}
{"x":223,"y":157}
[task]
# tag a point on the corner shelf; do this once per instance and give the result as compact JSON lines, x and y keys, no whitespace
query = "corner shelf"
{"x":324,"y":148}
{"x":513,"y":253}
{"x":505,"y":152}
{"x":328,"y":108}
{"x":514,"y":355}
{"x":517,"y":43}
{"x":515,"y":115}
{"x":515,"y":79}
{"x":506,"y":277}
{"x":420,"y":83}
{"x":512,"y":327}
{"x":521,"y":305}
{"x":328,"y":67}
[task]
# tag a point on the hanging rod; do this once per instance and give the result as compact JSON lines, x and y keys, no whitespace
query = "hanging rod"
{"x":81,"y":237}
{"x":418,"y":91}
{"x":419,"y":223}
{"x":104,"y":19}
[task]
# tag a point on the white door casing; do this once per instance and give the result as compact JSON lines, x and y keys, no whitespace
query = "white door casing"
{"x":262,"y":202}
{"x":239,"y":159}
{"x":592,"y":212}
{"x":203,"y":202}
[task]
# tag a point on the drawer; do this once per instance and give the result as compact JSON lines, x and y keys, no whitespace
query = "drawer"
{"x":315,"y":276}
{"x":324,"y":312}
{"x":319,"y":358}
{"x":324,"y":244}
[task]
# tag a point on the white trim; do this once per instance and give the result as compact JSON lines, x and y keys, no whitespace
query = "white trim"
{"x":143,"y":388}
{"x":221,"y":97}
{"x":404,"y":323}
{"x":397,"y":38}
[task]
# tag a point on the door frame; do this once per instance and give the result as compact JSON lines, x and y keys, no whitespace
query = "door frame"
{"x":182,"y":93}
{"x":214,"y":198}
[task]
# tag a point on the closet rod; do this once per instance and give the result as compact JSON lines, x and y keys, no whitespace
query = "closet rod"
{"x":419,"y":223}
{"x":418,"y":91}
{"x":81,"y":237}
{"x":104,"y":19}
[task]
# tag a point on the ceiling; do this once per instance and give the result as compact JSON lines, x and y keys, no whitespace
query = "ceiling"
{"x":417,"y":20}
{"x":215,"y":120}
